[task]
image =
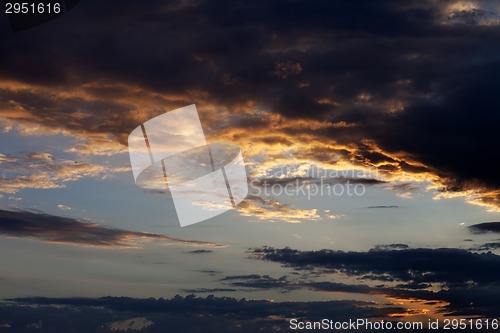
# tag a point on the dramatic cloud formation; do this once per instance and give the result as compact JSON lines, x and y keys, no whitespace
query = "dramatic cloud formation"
{"x":407,"y":88}
{"x":468,"y":281}
{"x":401,"y":91}
{"x":451,"y":266}
{"x":62,"y":230}
{"x":42,"y":170}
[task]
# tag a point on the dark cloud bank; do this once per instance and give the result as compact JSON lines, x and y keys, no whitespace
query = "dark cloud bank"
{"x":410,"y":76}
{"x":179,"y":314}
{"x":467,"y":279}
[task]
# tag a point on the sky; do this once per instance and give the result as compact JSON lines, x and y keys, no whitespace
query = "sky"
{"x":378,"y":118}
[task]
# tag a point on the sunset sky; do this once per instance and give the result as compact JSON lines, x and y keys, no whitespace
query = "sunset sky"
{"x":396,"y":98}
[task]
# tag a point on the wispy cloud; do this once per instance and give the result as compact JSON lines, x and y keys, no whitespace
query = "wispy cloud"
{"x":381,"y":207}
{"x":43,"y":171}
{"x":274,"y":211}
{"x":62,"y":230}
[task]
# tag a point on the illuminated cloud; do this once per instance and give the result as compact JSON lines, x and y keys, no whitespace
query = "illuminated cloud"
{"x":334,"y":93}
{"x":64,"y":207}
{"x":274,"y":211}
{"x":43,"y":171}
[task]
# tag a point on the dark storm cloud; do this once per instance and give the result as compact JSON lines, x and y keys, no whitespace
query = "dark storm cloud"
{"x":449,"y":266}
{"x":467,"y":281}
{"x":57,"y":229}
{"x":486,"y":227}
{"x":189,"y":314}
{"x":223,"y":306}
{"x":412,"y":77}
{"x":469,"y":298}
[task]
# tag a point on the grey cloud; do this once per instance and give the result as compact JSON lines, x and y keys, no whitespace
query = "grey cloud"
{"x":452,"y":266}
{"x":300,"y":181}
{"x":259,"y":282}
{"x":207,"y":290}
{"x":486,"y":227}
{"x":200,"y":251}
{"x":221,"y":307}
{"x":57,"y":229}
{"x":378,"y":207}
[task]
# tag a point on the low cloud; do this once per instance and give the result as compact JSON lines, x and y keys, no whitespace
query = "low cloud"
{"x":223,"y":307}
{"x":377,"y":207}
{"x":255,"y":281}
{"x":200,"y":251}
{"x":464,"y":280}
{"x":449,"y":266}
{"x":486,"y":227}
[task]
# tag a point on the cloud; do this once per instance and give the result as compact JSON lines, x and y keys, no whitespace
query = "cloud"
{"x":62,"y":230}
{"x":486,"y":227}
{"x":487,"y":247}
{"x":286,"y":69}
{"x":407,"y":89}
{"x":467,"y":281}
{"x":188,"y":314}
{"x":64,"y":207}
{"x":255,"y":281}
{"x":452,"y":266}
{"x":43,"y":171}
{"x":273,"y":211}
{"x":207,"y":290}
{"x":222,"y":307}
{"x":379,"y":207}
{"x":297,"y":182}
{"x":200,"y":251}
{"x":391,"y":247}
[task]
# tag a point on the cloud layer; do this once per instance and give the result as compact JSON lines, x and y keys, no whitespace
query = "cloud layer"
{"x":465,"y":279}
